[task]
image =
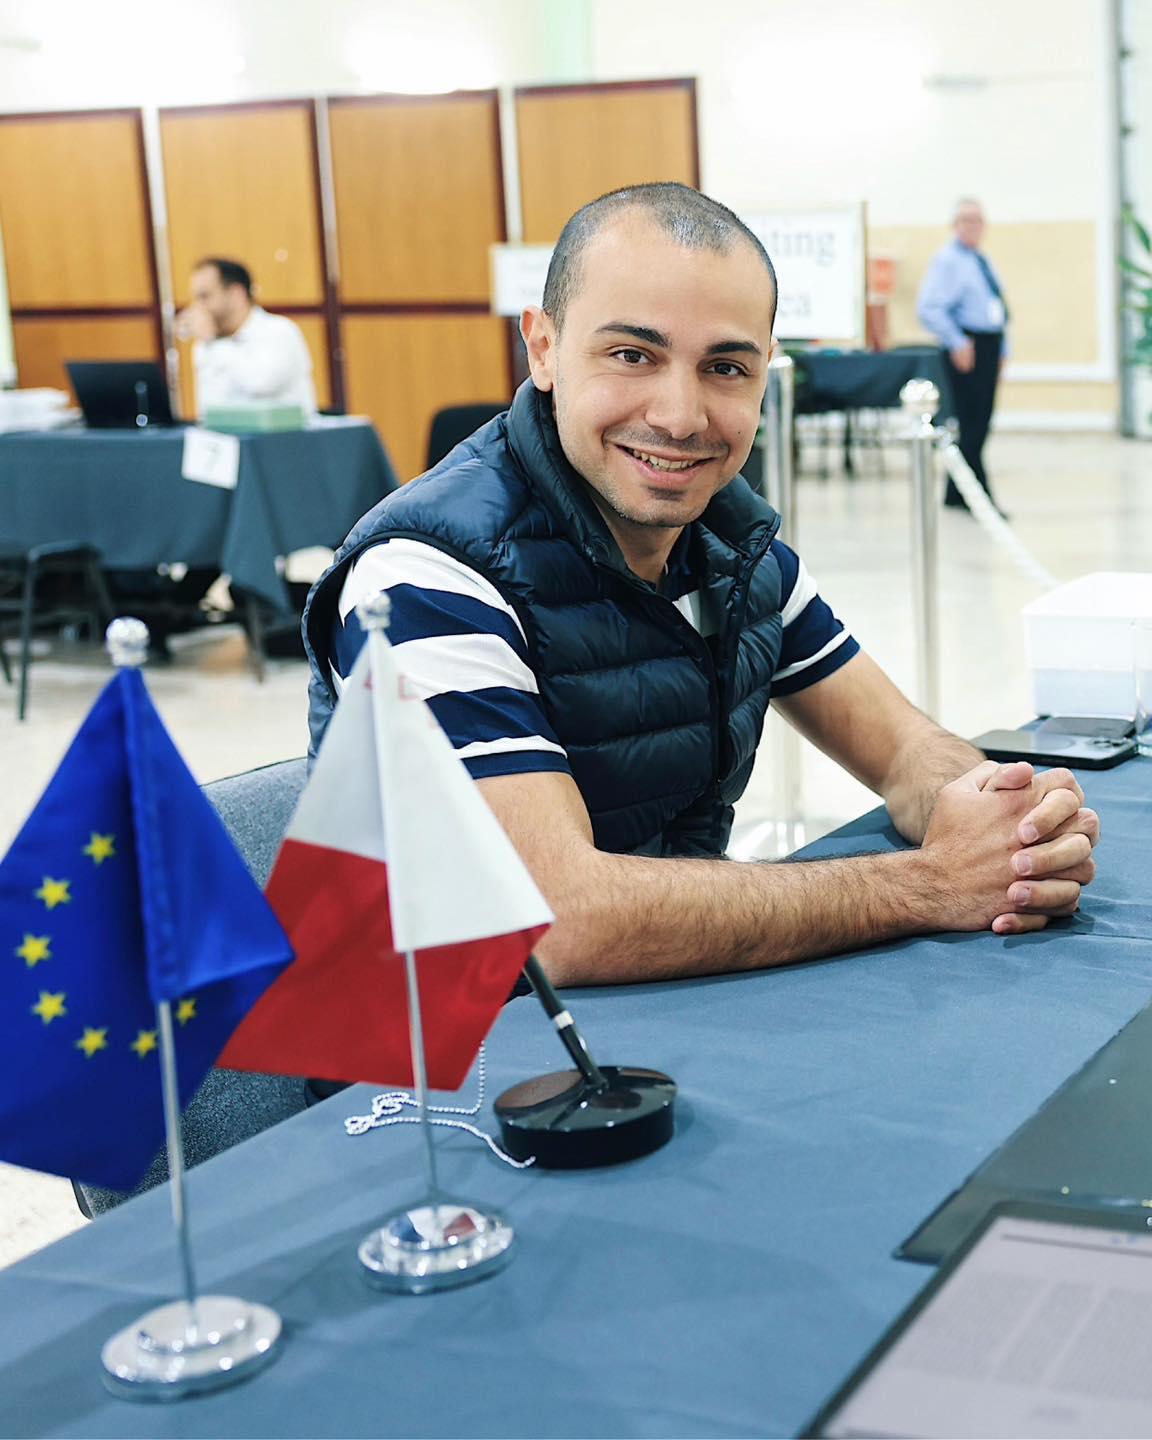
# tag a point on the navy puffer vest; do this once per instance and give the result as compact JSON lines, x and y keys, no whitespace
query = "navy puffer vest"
{"x":660,"y":723}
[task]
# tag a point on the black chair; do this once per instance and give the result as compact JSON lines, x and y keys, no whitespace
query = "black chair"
{"x":22,"y":573}
{"x":456,"y":423}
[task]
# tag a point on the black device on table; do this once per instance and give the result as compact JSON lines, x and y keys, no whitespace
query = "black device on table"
{"x":121,"y":394}
{"x":1035,"y":1326}
{"x":1082,"y":742}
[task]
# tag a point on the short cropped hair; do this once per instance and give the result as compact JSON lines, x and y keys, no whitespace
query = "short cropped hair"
{"x":692,"y":219}
{"x":231,"y":272}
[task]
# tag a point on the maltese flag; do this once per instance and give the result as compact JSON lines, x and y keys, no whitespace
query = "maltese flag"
{"x":392,"y":848}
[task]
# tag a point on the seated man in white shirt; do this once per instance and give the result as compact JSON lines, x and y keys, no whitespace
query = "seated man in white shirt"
{"x":243,"y":354}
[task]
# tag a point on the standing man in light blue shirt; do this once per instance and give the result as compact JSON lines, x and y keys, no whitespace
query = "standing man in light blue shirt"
{"x":962,"y":304}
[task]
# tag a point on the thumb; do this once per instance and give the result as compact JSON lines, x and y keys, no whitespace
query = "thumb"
{"x":1014,"y":775}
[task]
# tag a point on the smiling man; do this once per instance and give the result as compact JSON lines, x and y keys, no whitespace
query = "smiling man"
{"x":598,"y":612}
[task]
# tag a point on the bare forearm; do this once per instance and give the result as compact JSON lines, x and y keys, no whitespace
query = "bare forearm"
{"x":859,"y":718}
{"x":633,"y":918}
{"x":928,"y":760}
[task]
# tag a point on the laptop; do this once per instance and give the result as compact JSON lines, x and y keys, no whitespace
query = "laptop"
{"x":121,"y":394}
{"x":1039,"y":1325}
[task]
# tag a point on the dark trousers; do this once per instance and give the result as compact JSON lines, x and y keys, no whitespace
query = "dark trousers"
{"x":973,"y":396}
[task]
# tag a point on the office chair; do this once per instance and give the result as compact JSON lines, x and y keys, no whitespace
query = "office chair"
{"x":456,"y":423}
{"x":22,"y":569}
{"x":233,"y":1105}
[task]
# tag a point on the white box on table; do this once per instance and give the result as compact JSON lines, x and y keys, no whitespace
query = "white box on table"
{"x":1081,"y":644}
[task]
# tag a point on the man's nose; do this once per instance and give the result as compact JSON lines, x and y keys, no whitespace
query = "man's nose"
{"x":676,"y":404}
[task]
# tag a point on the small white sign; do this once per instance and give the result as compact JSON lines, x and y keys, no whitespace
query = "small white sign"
{"x":819,"y":260}
{"x":518,"y":275}
{"x":211,"y":458}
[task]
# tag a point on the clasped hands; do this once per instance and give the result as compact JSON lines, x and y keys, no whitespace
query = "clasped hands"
{"x":1015,"y":847}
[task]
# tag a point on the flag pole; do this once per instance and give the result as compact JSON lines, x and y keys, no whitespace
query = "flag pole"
{"x":201,"y":1342}
{"x":436,"y":1242}
{"x":174,"y":1135}
{"x":420,"y":1072}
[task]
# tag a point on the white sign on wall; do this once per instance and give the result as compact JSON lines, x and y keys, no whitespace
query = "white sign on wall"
{"x":518,"y":275}
{"x":819,"y":260}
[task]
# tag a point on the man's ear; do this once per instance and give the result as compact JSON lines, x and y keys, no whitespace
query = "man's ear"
{"x":539,"y":335}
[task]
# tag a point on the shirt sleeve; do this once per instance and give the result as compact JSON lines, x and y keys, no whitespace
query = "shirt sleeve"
{"x":937,"y":300}
{"x":460,"y":644}
{"x":815,"y":643}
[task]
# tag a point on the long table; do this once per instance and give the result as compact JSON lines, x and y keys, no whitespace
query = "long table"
{"x":719,"y":1287}
{"x":123,"y":492}
{"x":828,"y":380}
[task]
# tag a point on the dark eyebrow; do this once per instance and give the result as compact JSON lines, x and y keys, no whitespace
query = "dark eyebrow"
{"x":654,"y":337}
{"x":735,"y":347}
{"x":637,"y":332}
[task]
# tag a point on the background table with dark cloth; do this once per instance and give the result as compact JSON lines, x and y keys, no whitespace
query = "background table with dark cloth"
{"x":722,"y":1286}
{"x":123,"y":492}
{"x":845,"y":381}
{"x":860,"y":379}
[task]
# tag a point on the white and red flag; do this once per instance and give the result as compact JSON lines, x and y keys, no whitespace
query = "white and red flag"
{"x":392,"y":848}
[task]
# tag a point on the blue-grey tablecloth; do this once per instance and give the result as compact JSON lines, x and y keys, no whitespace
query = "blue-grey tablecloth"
{"x":719,"y":1287}
{"x":122,"y":491}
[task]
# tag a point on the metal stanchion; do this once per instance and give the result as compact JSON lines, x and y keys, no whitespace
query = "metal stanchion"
{"x":780,"y":492}
{"x":921,"y":400}
{"x":779,"y":477}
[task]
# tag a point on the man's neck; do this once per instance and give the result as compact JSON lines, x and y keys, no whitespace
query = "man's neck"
{"x":645,"y":548}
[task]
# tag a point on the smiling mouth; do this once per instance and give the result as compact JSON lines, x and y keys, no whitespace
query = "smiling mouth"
{"x":664,"y":465}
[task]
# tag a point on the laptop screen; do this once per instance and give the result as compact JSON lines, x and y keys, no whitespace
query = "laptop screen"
{"x":121,"y":394}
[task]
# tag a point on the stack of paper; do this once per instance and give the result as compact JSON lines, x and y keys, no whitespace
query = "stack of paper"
{"x":41,"y":409}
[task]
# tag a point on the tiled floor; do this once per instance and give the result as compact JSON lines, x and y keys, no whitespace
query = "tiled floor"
{"x":1080,"y":503}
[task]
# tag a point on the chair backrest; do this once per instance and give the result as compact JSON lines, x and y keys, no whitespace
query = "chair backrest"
{"x":256,"y":808}
{"x":456,"y":423}
{"x":231,"y":1106}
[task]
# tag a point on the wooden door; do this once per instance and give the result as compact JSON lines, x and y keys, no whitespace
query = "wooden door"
{"x":419,"y":199}
{"x":75,"y":212}
{"x":242,"y":183}
{"x":580,"y":141}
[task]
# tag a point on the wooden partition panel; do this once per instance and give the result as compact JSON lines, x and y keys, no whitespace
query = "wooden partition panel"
{"x":315,"y":333}
{"x":77,"y":228}
{"x":403,"y":368}
{"x":241,"y":181}
{"x":419,"y":197}
{"x":74,"y":209}
{"x":578,"y":141}
{"x":43,"y":344}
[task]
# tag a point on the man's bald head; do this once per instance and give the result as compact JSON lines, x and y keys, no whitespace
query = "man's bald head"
{"x":693,"y":220}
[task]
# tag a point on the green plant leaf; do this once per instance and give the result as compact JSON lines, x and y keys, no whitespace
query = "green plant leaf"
{"x":1140,"y":230}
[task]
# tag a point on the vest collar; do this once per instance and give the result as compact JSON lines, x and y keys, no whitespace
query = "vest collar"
{"x":736,"y":515}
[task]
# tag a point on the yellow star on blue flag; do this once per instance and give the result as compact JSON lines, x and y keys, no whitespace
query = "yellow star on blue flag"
{"x":162,"y":909}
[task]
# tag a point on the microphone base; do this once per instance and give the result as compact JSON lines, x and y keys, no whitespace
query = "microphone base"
{"x":568,"y":1124}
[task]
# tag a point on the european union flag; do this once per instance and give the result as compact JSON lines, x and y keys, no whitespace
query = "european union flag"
{"x":122,"y":890}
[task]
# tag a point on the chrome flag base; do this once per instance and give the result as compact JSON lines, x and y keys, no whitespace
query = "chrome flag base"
{"x":177,"y":1350}
{"x":436,"y":1245}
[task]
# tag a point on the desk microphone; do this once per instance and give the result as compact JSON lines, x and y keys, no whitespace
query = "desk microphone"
{"x":593,"y":1115}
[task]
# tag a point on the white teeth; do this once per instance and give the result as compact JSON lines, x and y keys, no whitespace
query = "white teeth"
{"x":658,"y":464}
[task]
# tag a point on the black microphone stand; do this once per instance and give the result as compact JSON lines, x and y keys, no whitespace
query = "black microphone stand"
{"x":593,"y":1115}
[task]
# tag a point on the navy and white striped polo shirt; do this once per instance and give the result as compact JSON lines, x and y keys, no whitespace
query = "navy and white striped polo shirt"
{"x":459,"y":643}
